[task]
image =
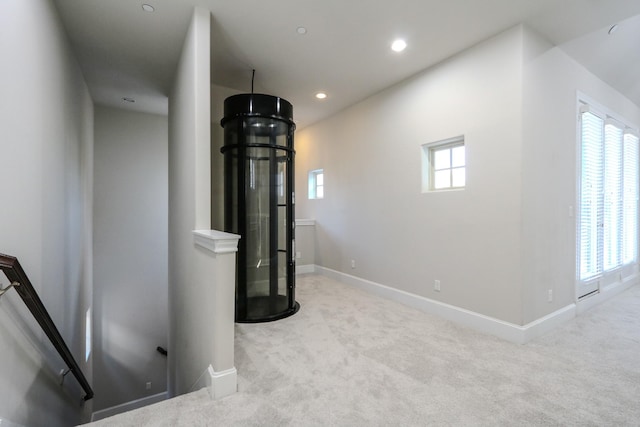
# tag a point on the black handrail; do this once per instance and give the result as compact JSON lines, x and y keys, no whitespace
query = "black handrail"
{"x":20,"y":282}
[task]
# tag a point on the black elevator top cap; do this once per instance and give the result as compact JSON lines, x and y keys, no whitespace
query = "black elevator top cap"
{"x":257,"y":105}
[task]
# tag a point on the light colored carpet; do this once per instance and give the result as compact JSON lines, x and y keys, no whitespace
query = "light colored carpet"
{"x":349,"y":358}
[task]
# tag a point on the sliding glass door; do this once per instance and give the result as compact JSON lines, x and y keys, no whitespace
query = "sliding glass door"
{"x":607,"y":243}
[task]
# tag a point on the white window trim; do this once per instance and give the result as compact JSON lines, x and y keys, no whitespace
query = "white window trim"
{"x":313,"y":185}
{"x":428,"y":170}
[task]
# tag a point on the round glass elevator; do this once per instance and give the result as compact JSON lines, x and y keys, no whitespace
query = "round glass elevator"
{"x":259,"y":203}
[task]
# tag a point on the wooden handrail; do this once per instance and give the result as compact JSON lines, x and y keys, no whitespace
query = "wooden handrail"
{"x":20,"y":282}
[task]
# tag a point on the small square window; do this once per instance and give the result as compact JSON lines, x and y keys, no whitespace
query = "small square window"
{"x":444,"y":164}
{"x":316,"y":184}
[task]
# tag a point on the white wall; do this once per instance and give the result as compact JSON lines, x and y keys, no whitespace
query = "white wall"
{"x":305,"y":245}
{"x":130,"y":249}
{"x":190,"y":272}
{"x":500,"y":245}
{"x":552,"y":81}
{"x":201,"y":278}
{"x":46,"y":117}
{"x":374,"y":211}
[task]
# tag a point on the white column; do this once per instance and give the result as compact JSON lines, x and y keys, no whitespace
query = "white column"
{"x":216,"y":259}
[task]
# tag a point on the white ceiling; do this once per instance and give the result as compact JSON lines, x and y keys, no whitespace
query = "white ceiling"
{"x":127,"y":52}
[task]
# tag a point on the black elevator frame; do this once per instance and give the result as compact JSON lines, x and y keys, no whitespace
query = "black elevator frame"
{"x":273,"y":116}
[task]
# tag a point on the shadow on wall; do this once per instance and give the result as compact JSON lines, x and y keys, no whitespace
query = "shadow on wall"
{"x":128,"y":362}
{"x":53,"y":401}
{"x":32,"y":358}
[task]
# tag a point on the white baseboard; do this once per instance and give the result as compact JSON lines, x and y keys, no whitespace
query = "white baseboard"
{"x":606,"y":292}
{"x":219,"y":384}
{"x":546,"y":323}
{"x":129,"y":406}
{"x":223,"y":383}
{"x":305,"y":269}
{"x":479,"y":322}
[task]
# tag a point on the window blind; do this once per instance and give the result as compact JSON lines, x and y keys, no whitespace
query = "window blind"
{"x":612,"y":195}
{"x":592,"y":139}
{"x":609,"y":193}
{"x":630,"y":198}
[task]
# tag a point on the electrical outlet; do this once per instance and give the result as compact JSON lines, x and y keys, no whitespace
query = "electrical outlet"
{"x":353,"y":263}
{"x":436,"y":286}
{"x":550,"y":295}
{"x":149,"y":385}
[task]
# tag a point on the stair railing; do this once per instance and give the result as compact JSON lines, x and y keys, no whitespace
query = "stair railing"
{"x":21,"y":283}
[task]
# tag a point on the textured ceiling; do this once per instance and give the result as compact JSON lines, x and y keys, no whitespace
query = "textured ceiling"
{"x":127,"y":52}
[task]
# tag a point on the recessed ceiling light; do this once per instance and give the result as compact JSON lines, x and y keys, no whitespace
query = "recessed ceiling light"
{"x":613,"y":29}
{"x":321,"y":95}
{"x":127,"y":99}
{"x":148,"y":8}
{"x":301,"y":30}
{"x":398,"y":45}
